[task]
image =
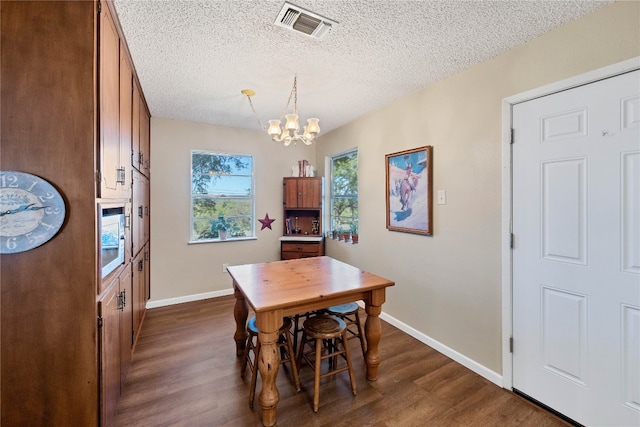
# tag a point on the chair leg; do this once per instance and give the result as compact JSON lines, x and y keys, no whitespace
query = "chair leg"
{"x":363,"y":344}
{"x":245,"y":356}
{"x":254,"y":374}
{"x":316,"y":379}
{"x":292,"y":360}
{"x":352,"y":377}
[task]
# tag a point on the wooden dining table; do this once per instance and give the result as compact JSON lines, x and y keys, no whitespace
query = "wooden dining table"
{"x":286,"y":288}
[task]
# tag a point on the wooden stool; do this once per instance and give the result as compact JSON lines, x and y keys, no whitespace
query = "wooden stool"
{"x":332,"y":331}
{"x":297,"y":324}
{"x":350,"y":313}
{"x":286,"y":354}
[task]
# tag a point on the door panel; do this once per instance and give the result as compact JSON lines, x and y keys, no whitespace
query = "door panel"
{"x":576,"y":255}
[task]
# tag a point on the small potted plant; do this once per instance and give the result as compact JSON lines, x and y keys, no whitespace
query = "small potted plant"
{"x":354,"y":233}
{"x":343,"y":235}
{"x":222,"y":227}
{"x":334,"y":234}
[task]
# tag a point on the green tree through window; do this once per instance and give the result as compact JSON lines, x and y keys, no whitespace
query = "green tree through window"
{"x":222,"y":197}
{"x":344,"y":192}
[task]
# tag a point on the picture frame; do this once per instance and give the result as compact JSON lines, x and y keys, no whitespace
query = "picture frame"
{"x":409,"y":190}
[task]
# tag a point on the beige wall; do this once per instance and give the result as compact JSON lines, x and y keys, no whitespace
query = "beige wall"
{"x":448,"y":286}
{"x":178,"y":268}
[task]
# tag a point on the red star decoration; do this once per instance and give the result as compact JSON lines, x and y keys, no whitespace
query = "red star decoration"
{"x":266,"y":222}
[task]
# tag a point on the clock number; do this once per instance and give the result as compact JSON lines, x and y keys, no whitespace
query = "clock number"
{"x":30,"y":238}
{"x":47,"y":226}
{"x":12,"y":243}
{"x":32,"y":185}
{"x":10,"y":181}
{"x":52,"y":211}
{"x":46,"y":197}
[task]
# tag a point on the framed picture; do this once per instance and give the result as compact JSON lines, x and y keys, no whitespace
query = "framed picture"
{"x":409,"y":190}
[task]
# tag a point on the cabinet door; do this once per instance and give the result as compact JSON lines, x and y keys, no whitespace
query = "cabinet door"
{"x":126,"y":323}
{"x":138,"y":295}
{"x":109,"y":69}
{"x":145,"y":139}
{"x":126,"y":122}
{"x":290,"y":193}
{"x":136,"y":154}
{"x":146,"y":226}
{"x":138,"y":204}
{"x":108,"y":310}
{"x":310,"y":193}
{"x":147,"y":275}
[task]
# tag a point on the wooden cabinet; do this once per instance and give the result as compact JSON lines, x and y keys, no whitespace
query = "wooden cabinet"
{"x":115,"y":147}
{"x":115,"y":342}
{"x":301,"y":249}
{"x":140,"y":289}
{"x":141,"y":142}
{"x":67,"y":80}
{"x":303,"y":193}
{"x":302,"y":213}
{"x":140,"y":222}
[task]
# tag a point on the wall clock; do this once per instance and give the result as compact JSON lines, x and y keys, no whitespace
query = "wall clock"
{"x":31,"y":211}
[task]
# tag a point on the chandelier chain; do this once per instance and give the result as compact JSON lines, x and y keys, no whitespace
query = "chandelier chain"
{"x":255,"y":113}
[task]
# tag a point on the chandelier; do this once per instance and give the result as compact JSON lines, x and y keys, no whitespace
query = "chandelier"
{"x":289,"y":133}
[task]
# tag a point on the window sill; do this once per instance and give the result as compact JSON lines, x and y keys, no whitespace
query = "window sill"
{"x":231,"y":239}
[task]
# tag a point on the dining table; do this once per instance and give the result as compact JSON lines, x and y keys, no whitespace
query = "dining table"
{"x":278,"y":289}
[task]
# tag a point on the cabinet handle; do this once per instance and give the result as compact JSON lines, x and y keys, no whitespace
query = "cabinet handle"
{"x":140,"y":265}
{"x":121,"y":175}
{"x":140,"y":211}
{"x":121,"y":300}
{"x":146,"y":210}
{"x":140,"y":158}
{"x":127,"y":221}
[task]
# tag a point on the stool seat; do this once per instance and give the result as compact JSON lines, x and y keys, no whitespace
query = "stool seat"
{"x":323,"y":327}
{"x":350,"y":313}
{"x":343,"y":309}
{"x":252,"y":328}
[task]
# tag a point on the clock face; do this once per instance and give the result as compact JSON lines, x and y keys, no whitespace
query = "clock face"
{"x":31,"y":211}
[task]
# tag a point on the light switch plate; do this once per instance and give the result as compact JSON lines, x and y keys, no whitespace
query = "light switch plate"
{"x":442,"y":197}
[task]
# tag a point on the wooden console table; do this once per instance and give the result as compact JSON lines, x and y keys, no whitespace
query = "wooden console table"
{"x":284,"y":288}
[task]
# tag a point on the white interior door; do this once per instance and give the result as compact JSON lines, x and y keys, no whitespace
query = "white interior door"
{"x":576,"y":255}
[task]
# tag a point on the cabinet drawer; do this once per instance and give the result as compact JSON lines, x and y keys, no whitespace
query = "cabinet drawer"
{"x":301,"y":247}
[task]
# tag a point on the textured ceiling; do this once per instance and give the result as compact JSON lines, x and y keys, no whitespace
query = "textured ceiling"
{"x":194,"y":57}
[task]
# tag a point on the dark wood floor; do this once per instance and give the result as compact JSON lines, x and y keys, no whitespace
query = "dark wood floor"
{"x":185,"y":373}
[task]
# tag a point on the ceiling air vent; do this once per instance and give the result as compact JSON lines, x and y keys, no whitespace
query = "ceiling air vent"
{"x":303,"y":21}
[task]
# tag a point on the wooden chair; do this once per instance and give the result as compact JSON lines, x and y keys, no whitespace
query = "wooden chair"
{"x":325,"y":335}
{"x":253,"y":345}
{"x":350,"y":313}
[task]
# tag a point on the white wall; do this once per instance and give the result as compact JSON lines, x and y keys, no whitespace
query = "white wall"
{"x":448,"y":285}
{"x":180,"y":269}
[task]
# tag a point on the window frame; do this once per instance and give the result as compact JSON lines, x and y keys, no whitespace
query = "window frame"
{"x":332,"y":198}
{"x":251,"y":197}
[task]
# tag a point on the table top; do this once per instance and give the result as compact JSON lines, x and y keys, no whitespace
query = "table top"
{"x":282,"y":284}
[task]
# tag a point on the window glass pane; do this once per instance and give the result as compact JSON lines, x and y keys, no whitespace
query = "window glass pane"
{"x":224,"y":185}
{"x":344,"y":192}
{"x":222,"y":196}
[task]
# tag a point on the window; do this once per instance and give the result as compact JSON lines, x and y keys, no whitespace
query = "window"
{"x":222,"y":197}
{"x":344,"y":192}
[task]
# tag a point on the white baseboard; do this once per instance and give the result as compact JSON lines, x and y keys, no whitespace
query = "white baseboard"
{"x":479,"y":369}
{"x":189,"y":298}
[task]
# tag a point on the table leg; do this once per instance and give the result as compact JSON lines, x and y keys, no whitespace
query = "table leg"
{"x":373,"y":332}
{"x":240,"y":312}
{"x":268,"y":364}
